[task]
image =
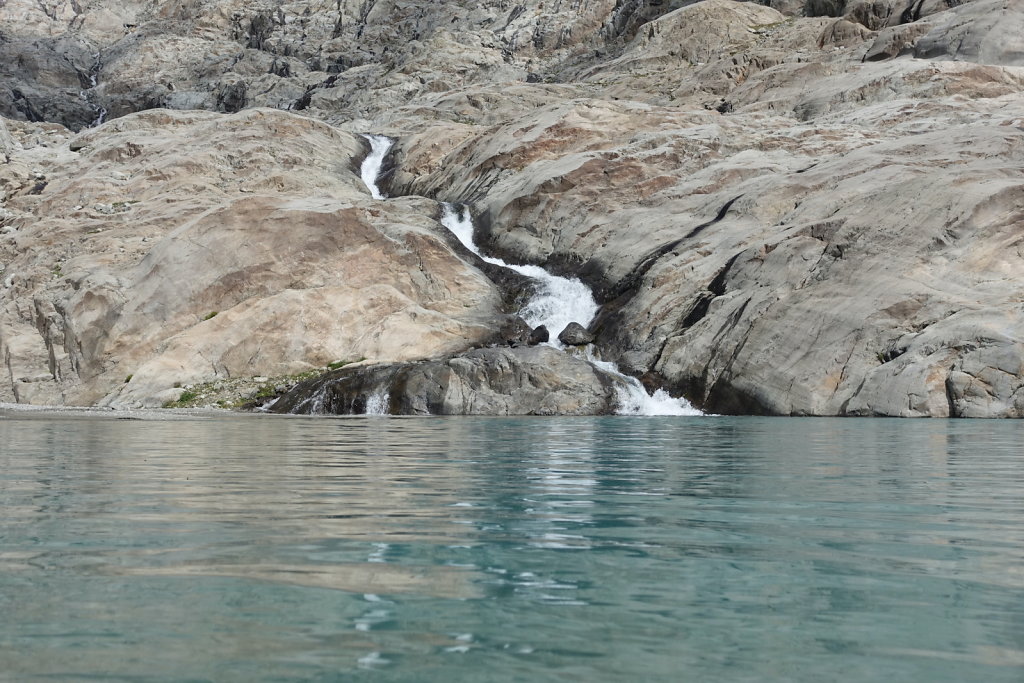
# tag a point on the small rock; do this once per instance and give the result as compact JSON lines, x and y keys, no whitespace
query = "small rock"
{"x":539,"y":335}
{"x":575,"y":334}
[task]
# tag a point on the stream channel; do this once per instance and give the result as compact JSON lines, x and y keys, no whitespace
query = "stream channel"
{"x":556,"y":302}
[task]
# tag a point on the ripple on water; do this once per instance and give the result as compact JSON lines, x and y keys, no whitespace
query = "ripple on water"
{"x":257,"y":548}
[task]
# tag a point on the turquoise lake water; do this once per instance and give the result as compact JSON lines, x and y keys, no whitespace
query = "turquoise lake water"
{"x":237,"y":548}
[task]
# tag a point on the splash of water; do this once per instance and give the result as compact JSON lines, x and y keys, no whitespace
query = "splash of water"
{"x":632,"y":398}
{"x":378,"y":402}
{"x":380,"y":145}
{"x":560,"y":301}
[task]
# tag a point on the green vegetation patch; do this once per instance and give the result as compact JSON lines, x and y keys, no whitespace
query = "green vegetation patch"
{"x":244,"y":393}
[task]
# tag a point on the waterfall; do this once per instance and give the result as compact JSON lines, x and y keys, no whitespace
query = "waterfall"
{"x":314,"y":403}
{"x":560,"y":301}
{"x":633,"y":399}
{"x":101,"y":112}
{"x":378,"y":402}
{"x":370,"y":170}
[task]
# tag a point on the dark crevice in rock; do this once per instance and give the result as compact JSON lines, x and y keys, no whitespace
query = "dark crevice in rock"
{"x":611,"y":318}
{"x":912,"y":13}
{"x":951,"y":393}
{"x":698,"y":311}
{"x":722,"y":396}
{"x":717,"y":284}
{"x":364,"y":16}
{"x":891,"y":354}
{"x":717,"y":219}
{"x":844,"y":408}
{"x":23,"y":105}
{"x":516,"y":12}
{"x":631,"y":281}
{"x":307,"y":97}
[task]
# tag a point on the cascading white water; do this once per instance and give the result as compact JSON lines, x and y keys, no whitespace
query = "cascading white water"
{"x":559,"y":302}
{"x":378,"y":402}
{"x":633,"y":398}
{"x":370,"y":169}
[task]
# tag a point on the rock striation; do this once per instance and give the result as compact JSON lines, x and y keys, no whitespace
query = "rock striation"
{"x":783,"y":207}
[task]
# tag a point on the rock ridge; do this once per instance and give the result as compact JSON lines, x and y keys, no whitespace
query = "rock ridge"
{"x":798,"y":208}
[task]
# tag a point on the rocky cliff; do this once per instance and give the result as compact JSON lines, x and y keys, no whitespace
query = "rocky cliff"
{"x":807,"y":208}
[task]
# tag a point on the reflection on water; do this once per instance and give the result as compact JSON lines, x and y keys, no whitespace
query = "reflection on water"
{"x":257,"y":549}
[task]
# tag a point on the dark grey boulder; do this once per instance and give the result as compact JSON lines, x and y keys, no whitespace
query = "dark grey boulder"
{"x":540,"y":335}
{"x":575,"y":334}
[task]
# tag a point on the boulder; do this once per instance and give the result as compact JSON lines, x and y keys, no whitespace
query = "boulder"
{"x":575,"y":334}
{"x":539,"y":335}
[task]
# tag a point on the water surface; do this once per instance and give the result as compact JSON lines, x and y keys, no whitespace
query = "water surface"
{"x":232,"y":548}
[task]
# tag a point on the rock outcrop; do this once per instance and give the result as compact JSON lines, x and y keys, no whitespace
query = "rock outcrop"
{"x":174,"y":248}
{"x":809,"y":208}
{"x":529,"y":380}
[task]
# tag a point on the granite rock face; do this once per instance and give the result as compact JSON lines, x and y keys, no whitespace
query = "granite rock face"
{"x":842,"y":249}
{"x":173,"y":248}
{"x":811,"y":208}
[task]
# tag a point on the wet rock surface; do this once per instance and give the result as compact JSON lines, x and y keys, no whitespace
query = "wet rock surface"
{"x":537,"y":380}
{"x":807,"y":208}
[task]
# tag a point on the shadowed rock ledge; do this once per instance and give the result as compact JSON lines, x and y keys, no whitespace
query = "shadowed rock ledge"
{"x":529,"y":380}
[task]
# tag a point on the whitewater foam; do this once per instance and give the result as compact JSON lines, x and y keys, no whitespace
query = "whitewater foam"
{"x":378,"y":402}
{"x":374,"y":161}
{"x":559,"y":301}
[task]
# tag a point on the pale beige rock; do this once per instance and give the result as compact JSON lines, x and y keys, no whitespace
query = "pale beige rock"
{"x":807,"y":215}
{"x":6,"y":142}
{"x":845,"y":211}
{"x":981,"y":32}
{"x":185,"y":247}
